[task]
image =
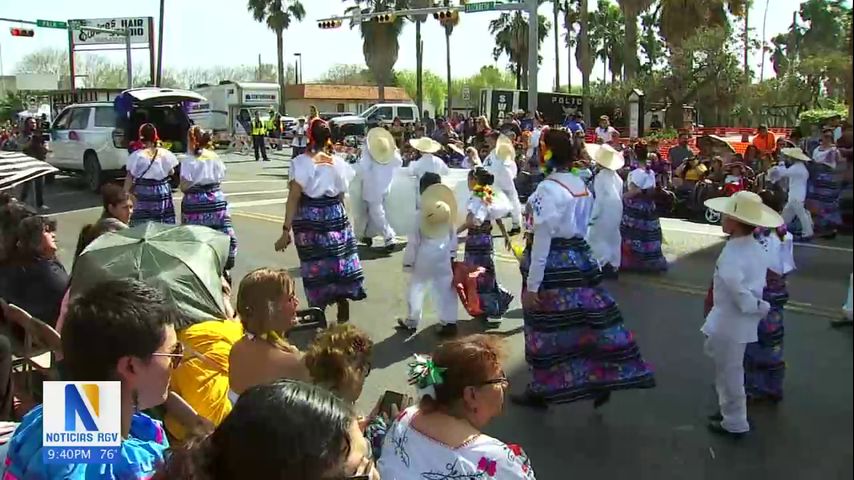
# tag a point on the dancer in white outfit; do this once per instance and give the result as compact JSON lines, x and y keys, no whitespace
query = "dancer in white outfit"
{"x":604,"y":232}
{"x":378,"y":163}
{"x":798,"y":176}
{"x":501,"y":163}
{"x":429,"y":253}
{"x":732,"y":323}
{"x":427,"y":162}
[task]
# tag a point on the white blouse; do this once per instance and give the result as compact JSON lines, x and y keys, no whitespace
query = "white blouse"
{"x":206,"y":169}
{"x":164,"y":162}
{"x":504,"y":172}
{"x":482,"y":212}
{"x":827,"y":157}
{"x":408,"y":454}
{"x":376,"y":177}
{"x":321,"y":175}
{"x":642,"y":178}
{"x":780,"y":253}
{"x":557,"y":213}
{"x":428,"y":163}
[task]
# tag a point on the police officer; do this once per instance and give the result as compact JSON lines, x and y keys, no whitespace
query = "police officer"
{"x":259,"y":132}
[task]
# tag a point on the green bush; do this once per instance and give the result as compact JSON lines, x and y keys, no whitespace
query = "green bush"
{"x":668,"y":133}
{"x":818,"y":116}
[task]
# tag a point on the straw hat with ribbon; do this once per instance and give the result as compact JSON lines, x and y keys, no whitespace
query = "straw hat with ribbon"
{"x":795,"y":154}
{"x":746,"y":207}
{"x":438,"y":210}
{"x":425,"y":145}
{"x":381,"y":145}
{"x":606,"y":156}
{"x":504,"y":149}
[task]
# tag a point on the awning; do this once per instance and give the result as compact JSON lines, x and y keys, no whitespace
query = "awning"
{"x":17,"y":168}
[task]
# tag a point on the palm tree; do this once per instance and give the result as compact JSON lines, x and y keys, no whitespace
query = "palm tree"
{"x":379,"y":40}
{"x":570,"y":18}
{"x":606,"y":35}
{"x":511,"y":38}
{"x":555,"y":13}
{"x":449,"y":25}
{"x":278,"y":15}
{"x":583,"y":57}
{"x":419,"y":52}
{"x":631,"y":9}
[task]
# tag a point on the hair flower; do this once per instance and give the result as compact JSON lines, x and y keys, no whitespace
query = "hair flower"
{"x":424,"y":374}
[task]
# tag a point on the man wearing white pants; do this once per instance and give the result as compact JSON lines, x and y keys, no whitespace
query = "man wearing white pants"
{"x":798,"y":176}
{"x":377,"y":166}
{"x":501,"y":163}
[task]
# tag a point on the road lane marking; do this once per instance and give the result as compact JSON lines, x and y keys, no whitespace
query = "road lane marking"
{"x":238,"y":182}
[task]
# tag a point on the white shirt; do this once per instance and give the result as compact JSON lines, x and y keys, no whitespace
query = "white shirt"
{"x":206,"y":169}
{"x":798,"y":176}
{"x":300,"y":138}
{"x":164,"y":162}
{"x":430,"y":254}
{"x":557,"y":213}
{"x":737,"y":291}
{"x":608,"y":190}
{"x":376,"y":177}
{"x":827,"y":157}
{"x":642,"y":178}
{"x":321,"y":175}
{"x":606,"y":134}
{"x":535,"y":141}
{"x":408,"y":454}
{"x":780,"y":252}
{"x":504,"y":173}
{"x":428,"y":163}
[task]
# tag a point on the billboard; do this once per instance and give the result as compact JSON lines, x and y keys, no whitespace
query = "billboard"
{"x":140,"y":29}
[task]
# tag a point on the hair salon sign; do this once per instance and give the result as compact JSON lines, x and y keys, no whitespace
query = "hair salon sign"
{"x":140,"y":29}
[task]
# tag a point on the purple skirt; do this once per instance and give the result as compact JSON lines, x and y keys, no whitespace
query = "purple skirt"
{"x":494,"y":299}
{"x":152,"y":202}
{"x":205,"y":205}
{"x":641,"y":233}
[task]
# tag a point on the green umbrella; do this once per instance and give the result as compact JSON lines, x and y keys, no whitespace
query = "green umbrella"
{"x":184,"y":262}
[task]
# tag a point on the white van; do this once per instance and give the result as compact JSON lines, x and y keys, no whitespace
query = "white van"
{"x":381,"y":114}
{"x":93,"y":139}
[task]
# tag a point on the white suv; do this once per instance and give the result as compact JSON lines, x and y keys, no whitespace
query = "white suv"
{"x":93,"y":139}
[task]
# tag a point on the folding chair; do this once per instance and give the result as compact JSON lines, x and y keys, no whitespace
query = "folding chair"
{"x":41,"y":349}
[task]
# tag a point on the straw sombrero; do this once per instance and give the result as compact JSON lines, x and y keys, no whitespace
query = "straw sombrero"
{"x":607,"y":156}
{"x":456,"y":149}
{"x":746,"y":207}
{"x":504,"y":149}
{"x":438,"y":210}
{"x":425,"y":145}
{"x":796,"y":154}
{"x":731,"y":165}
{"x":381,"y":145}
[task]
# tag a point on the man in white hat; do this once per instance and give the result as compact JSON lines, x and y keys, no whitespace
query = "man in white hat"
{"x":427,"y":162}
{"x":501,"y":163}
{"x":380,"y":159}
{"x":429,"y":253}
{"x":604,"y":232}
{"x":738,"y":306}
{"x":797,"y":176}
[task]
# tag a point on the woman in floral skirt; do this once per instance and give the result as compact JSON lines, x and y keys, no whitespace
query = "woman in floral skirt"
{"x":641,"y":228}
{"x":824,"y":187}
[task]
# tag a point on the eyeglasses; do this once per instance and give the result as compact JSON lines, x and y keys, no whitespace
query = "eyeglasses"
{"x":502,"y":380}
{"x":366,"y":368}
{"x":176,"y":357}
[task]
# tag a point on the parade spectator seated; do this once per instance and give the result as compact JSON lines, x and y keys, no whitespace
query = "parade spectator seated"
{"x":605,"y":133}
{"x":267,"y":304}
{"x":117,"y":203}
{"x":734,"y":181}
{"x":574,"y":123}
{"x":120,"y":330}
{"x":717,"y":173}
{"x":461,"y":388}
{"x":339,"y":360}
{"x":282,"y":430}
{"x":689,"y":173}
{"x":680,"y":152}
{"x":764,"y":141}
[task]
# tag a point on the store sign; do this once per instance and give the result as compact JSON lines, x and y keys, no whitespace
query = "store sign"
{"x":260,"y":98}
{"x":140,"y":27}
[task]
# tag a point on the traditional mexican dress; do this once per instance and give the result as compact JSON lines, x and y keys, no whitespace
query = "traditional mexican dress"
{"x":764,"y":367}
{"x":204,"y":202}
{"x":823,"y":191}
{"x":329,"y":262}
{"x":575,"y":342}
{"x":641,"y":228}
{"x":152,"y":192}
{"x":604,"y":232}
{"x":409,"y":454}
{"x":494,"y":299}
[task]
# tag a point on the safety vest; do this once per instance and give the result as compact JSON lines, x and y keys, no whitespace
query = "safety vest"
{"x":258,"y":128}
{"x":271,"y":125}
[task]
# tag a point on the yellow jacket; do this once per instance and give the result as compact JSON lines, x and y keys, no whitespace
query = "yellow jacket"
{"x":259,"y":128}
{"x":202,"y":378}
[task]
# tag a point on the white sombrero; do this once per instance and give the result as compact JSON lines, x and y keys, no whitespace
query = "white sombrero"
{"x":381,"y":145}
{"x":607,"y":156}
{"x":438,"y":211}
{"x":796,"y":154}
{"x":425,"y":145}
{"x":456,"y":149}
{"x":504,"y":149}
{"x":746,"y":207}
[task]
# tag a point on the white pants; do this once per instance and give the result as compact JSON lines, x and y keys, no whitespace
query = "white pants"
{"x":516,"y":210}
{"x":377,"y":222}
{"x":848,"y":308}
{"x":440,"y":281}
{"x":728,"y":357}
{"x":795,"y":208}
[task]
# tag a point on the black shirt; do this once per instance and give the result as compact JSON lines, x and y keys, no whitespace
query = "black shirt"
{"x":38,"y":287}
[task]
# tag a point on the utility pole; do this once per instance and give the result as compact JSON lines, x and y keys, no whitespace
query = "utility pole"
{"x":762,"y":64}
{"x":258,"y":72}
{"x":557,"y":45}
{"x":160,"y":46}
{"x":746,"y":42}
{"x":533,"y":54}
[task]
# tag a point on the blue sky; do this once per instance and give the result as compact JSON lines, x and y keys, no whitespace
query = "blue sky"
{"x":208,"y":32}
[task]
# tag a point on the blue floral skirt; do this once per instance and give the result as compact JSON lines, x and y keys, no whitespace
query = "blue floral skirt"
{"x":764,"y":367}
{"x":329,"y":261}
{"x":206,"y":205}
{"x":823,"y":199}
{"x":494,"y":299}
{"x":575,"y":342}
{"x":152,"y":202}
{"x":641,"y":233}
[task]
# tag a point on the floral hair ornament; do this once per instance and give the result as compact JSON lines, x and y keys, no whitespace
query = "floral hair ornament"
{"x":483,"y":192}
{"x":425,"y":375}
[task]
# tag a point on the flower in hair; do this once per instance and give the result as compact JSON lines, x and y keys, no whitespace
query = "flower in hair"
{"x":425,"y":375}
{"x":484,"y":192}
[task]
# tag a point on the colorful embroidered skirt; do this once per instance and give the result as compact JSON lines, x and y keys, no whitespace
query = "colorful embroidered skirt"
{"x":823,"y":199}
{"x":206,"y":205}
{"x":329,"y":262}
{"x":641,"y":233}
{"x":494,"y":299}
{"x":575,"y":342}
{"x":152,"y":202}
{"x":764,"y":367}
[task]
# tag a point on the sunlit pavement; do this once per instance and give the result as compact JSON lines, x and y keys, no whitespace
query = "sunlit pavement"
{"x":649,"y":434}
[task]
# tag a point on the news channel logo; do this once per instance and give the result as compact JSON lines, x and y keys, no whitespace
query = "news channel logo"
{"x":82,"y":422}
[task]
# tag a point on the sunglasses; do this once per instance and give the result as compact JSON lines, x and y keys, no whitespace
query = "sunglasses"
{"x":502,"y":380}
{"x":176,"y":357}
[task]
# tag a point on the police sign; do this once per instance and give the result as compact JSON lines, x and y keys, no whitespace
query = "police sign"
{"x":140,"y":28}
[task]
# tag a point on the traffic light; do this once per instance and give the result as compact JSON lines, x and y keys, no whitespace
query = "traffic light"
{"x":21,"y":32}
{"x":385,"y":18}
{"x":329,"y":24}
{"x":444,"y":15}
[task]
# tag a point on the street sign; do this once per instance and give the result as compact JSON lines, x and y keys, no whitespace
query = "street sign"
{"x":52,"y":24}
{"x":480,"y":7}
{"x":140,"y":28}
{"x":466,"y":93}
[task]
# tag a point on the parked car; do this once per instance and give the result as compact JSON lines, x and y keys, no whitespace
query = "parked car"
{"x":92,"y":139}
{"x":380,"y":114}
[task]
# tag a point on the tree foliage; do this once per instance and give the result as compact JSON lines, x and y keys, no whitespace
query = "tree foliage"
{"x":347,"y":74}
{"x":511,"y":39}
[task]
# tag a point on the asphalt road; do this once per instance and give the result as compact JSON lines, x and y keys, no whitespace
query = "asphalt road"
{"x":650,"y":434}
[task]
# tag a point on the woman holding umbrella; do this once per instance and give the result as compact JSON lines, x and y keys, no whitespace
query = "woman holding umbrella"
{"x":149,"y":169}
{"x":329,"y":262}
